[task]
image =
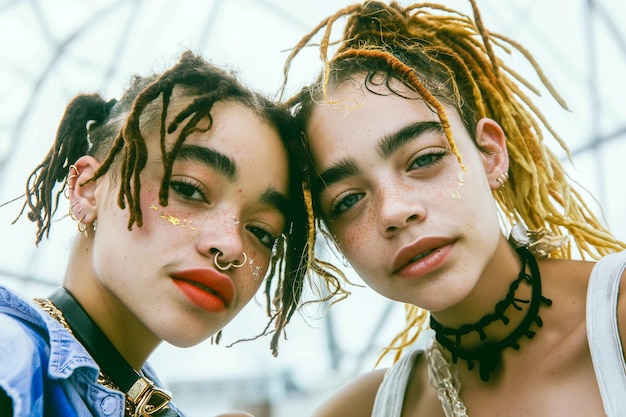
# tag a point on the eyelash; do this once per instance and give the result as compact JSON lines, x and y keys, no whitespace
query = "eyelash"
{"x":335,"y":210}
{"x":436,"y":155}
{"x":181,"y":185}
{"x":267,"y":233}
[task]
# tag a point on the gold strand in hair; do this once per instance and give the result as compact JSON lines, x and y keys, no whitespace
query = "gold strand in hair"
{"x":408,"y":74}
{"x":538,"y":180}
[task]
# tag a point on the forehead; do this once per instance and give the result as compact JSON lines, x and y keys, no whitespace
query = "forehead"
{"x":358,"y":115}
{"x":361,"y":93}
{"x":240,"y":135}
{"x":354,"y":109}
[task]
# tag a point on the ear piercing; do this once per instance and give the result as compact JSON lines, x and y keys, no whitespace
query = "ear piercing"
{"x":503,"y":178}
{"x":82,"y":227}
{"x":73,"y":173}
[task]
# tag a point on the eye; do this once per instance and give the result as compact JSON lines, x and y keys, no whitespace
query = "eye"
{"x":188,"y":190}
{"x":344,"y":204}
{"x":428,"y":158}
{"x":266,"y":237}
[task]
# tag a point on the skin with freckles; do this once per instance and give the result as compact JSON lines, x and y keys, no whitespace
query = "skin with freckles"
{"x":185,"y":235}
{"x":384,"y":204}
{"x":186,"y":199}
{"x":389,"y":190}
{"x":424,"y":150}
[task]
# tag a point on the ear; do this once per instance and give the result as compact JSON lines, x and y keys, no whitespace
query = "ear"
{"x":82,"y":193}
{"x":491,"y":139}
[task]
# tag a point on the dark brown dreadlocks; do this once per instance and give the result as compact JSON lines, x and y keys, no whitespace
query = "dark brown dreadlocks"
{"x":113,"y":132}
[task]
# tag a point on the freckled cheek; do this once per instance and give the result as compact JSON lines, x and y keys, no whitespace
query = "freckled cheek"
{"x":348,"y":240}
{"x":354,"y":232}
{"x":352,"y":240}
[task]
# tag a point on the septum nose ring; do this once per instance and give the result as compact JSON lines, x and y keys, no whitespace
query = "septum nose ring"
{"x":229,"y":264}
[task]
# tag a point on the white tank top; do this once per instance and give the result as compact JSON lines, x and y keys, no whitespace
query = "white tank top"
{"x":602,"y":333}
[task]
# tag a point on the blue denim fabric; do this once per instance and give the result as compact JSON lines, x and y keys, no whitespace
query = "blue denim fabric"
{"x":45,"y":370}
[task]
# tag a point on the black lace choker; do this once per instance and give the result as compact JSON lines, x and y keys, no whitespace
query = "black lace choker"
{"x":489,"y":355}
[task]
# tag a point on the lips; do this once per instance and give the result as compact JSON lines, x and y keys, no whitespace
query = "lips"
{"x":206,"y":288}
{"x":421,"y":256}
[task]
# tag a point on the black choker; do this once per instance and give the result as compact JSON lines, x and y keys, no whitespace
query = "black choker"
{"x":489,"y":354}
{"x":142,"y":397}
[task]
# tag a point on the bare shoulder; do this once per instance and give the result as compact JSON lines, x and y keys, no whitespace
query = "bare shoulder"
{"x":565,"y":282}
{"x":566,"y":273}
{"x":355,"y":399}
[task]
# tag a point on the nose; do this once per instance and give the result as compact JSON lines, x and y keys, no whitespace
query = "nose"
{"x":222,"y":237}
{"x":398,"y":208}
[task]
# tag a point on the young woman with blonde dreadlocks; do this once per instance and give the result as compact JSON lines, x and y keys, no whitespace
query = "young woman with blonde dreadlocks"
{"x":424,"y":146}
{"x":188,"y":182}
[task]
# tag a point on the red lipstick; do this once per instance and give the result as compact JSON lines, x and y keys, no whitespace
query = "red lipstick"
{"x":206,"y":288}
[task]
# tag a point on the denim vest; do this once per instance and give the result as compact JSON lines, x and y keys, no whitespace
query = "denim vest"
{"x":45,"y":370}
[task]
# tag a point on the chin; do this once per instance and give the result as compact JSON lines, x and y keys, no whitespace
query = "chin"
{"x":185,"y":345}
{"x":432,"y":304}
{"x":184,"y":337}
{"x":184,"y":342}
{"x":440,"y":305}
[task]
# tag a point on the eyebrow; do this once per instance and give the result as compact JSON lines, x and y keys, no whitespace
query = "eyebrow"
{"x":227,"y":167}
{"x":393,"y":141}
{"x":277,"y":200}
{"x":218,"y":161}
{"x":390,"y":143}
{"x":344,"y":168}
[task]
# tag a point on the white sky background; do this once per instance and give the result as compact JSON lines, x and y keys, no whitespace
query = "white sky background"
{"x":52,"y":50}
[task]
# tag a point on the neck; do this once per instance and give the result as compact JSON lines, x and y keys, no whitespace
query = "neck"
{"x":491,"y":288}
{"x":483,"y":341}
{"x":127,"y":333}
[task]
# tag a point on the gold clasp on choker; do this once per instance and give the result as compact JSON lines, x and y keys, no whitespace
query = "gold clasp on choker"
{"x":148,"y":398}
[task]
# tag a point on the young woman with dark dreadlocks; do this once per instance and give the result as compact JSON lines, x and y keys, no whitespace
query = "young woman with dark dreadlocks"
{"x":426,"y":154}
{"x":184,"y":201}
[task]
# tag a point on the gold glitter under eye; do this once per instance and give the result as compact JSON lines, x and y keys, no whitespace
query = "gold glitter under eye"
{"x":173,"y":220}
{"x":456,"y":194}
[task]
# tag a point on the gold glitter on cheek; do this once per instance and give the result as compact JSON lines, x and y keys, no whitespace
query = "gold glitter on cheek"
{"x":456,"y":195}
{"x":173,"y":220}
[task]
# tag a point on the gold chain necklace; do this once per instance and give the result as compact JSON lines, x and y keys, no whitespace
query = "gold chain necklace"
{"x":47,"y":306}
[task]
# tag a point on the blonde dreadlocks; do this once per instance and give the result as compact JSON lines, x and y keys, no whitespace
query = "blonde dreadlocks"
{"x":449,"y":58}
